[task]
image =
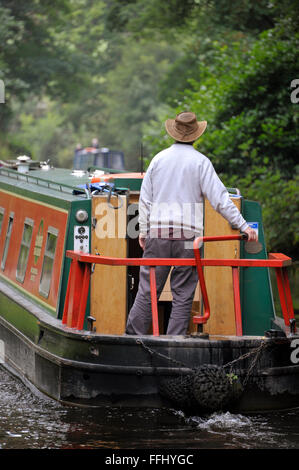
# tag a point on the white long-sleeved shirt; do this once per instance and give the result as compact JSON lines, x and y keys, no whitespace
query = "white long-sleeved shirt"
{"x":173,"y":191}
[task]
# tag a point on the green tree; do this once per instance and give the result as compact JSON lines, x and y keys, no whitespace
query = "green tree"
{"x":129,"y":99}
{"x":30,"y":58}
{"x":53,"y":52}
{"x":142,"y":16}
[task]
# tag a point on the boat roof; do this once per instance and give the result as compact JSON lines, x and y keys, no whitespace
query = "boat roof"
{"x":54,"y":183}
{"x":60,"y":183}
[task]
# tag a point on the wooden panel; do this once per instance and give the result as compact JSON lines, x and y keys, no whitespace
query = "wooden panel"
{"x":219,"y":279}
{"x":133,"y":197}
{"x":109,"y":283}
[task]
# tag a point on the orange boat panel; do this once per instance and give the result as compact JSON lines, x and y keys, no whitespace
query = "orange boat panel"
{"x":44,"y":217}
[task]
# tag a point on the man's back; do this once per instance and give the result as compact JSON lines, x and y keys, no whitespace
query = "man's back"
{"x":173,"y":191}
{"x":175,"y":174}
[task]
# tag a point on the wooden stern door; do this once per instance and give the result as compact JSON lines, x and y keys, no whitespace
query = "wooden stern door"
{"x":219,"y":279}
{"x":108,"y":297}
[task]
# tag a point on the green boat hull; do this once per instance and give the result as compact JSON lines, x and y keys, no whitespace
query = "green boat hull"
{"x":85,"y":368}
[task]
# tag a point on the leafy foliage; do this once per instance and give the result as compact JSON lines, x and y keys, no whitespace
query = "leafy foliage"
{"x":243,"y":90}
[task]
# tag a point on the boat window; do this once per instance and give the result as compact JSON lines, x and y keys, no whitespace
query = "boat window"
{"x":46,"y":276}
{"x":7,"y":240}
{"x":1,"y":217}
{"x":24,"y":250}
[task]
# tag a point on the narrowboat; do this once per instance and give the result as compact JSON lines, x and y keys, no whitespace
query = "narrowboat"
{"x":69,"y":272}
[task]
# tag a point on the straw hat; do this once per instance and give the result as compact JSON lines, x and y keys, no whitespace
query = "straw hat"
{"x":185,"y":127}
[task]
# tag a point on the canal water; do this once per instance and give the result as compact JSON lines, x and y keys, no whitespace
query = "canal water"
{"x":29,"y":421}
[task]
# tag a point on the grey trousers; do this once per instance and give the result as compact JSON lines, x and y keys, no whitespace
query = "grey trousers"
{"x":183,"y":283}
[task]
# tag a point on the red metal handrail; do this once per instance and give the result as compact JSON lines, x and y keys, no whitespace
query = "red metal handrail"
{"x":80,"y":271}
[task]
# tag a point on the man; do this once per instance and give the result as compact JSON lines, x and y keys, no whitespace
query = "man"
{"x":171,"y":214}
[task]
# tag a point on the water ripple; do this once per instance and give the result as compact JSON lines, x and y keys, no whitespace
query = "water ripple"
{"x":30,"y":421}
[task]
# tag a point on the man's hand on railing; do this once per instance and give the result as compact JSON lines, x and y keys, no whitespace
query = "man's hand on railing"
{"x":252,"y":235}
{"x":142,"y":241}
